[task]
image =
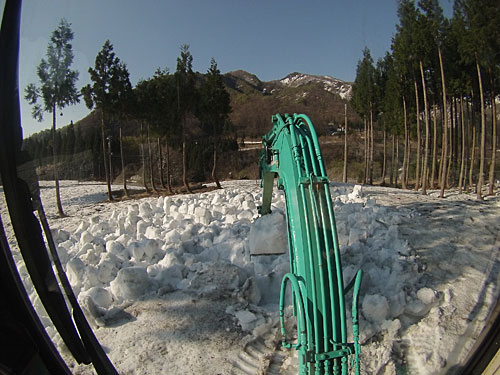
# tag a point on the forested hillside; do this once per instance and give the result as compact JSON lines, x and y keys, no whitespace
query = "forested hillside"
{"x":252,"y":103}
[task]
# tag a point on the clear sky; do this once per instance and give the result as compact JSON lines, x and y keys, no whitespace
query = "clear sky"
{"x":269,"y":38}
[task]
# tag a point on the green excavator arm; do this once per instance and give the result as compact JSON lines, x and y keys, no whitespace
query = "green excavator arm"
{"x":292,"y":154}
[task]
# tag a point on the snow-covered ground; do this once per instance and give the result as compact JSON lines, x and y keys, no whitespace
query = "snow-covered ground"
{"x":169,"y":285}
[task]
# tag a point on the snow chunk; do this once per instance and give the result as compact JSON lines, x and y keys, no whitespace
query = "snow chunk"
{"x":74,"y":270}
{"x":86,"y":237}
{"x":60,"y":235}
{"x":426,"y":295}
{"x":416,"y":308}
{"x":245,"y":214}
{"x":101,"y":297}
{"x":203,"y":215}
{"x":131,"y":283}
{"x":375,"y":308}
{"x":152,"y":233}
{"x":145,"y":210}
{"x":245,"y":319}
{"x":356,"y":195}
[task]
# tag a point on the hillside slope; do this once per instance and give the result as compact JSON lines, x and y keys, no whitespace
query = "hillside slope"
{"x":254,"y":101}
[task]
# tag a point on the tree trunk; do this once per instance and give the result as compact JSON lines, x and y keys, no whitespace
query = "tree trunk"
{"x":434,"y":148}
{"x":160,"y":164}
{"x":106,"y":171}
{"x":397,"y":163}
{"x":344,"y":173}
{"x":408,"y":159}
{"x":143,"y":159}
{"x":124,"y":172}
{"x":60,"y":210}
{"x":494,"y":138}
{"x":456,"y":136}
{"x":450,"y":144}
{"x":468,"y":137}
{"x":472,"y":155}
{"x":372,"y":139}
{"x":384,"y":161}
{"x":391,"y":173}
{"x":214,"y":167}
{"x":365,"y":181}
{"x":419,"y":141}
{"x":482,"y":147}
{"x":440,"y":172}
{"x":406,"y":148}
{"x":167,"y":166}
{"x":184,"y":156}
{"x":110,"y":154}
{"x":427,"y":134}
{"x":445,"y":128}
{"x":150,"y":158}
{"x":462,"y":159}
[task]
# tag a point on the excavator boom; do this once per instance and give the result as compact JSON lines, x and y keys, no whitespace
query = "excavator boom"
{"x":292,"y":154}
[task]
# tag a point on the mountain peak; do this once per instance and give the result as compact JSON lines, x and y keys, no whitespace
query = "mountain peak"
{"x":246,"y":76}
{"x":242,"y":80}
{"x":330,"y":84}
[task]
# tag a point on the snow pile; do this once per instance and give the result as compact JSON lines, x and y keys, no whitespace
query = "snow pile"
{"x":201,"y":245}
{"x":196,"y":243}
{"x":370,"y":240}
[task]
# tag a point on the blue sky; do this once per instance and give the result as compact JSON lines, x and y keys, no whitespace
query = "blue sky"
{"x":269,"y":38}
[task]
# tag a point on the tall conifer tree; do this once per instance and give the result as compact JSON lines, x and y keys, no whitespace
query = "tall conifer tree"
{"x":186,"y":100}
{"x":363,"y":100}
{"x":57,"y":87}
{"x":215,"y":109}
{"x":110,"y":85}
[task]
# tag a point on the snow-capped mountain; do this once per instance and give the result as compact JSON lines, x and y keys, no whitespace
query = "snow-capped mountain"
{"x":240,"y":78}
{"x":253,"y":101}
{"x":330,"y":84}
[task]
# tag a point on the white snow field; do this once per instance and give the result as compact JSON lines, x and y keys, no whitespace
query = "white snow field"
{"x":170,"y":288}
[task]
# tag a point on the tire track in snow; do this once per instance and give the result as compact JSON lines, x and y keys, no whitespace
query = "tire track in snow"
{"x":264,"y":355}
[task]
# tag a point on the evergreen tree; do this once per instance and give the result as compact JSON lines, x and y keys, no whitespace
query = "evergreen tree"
{"x":384,"y":82}
{"x":110,"y":86}
{"x":430,"y":25}
{"x":215,"y":109}
{"x":122,"y":111}
{"x":144,"y":111}
{"x":363,"y":101}
{"x":186,"y":100}
{"x":57,"y":87}
{"x":480,"y":44}
{"x":165,"y":117}
{"x":391,"y":107}
{"x":70,"y":140}
{"x":346,"y":132}
{"x":403,"y":47}
{"x":461,"y":78}
{"x":79,"y":141}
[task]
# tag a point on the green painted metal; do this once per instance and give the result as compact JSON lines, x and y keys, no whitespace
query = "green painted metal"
{"x":292,"y":154}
